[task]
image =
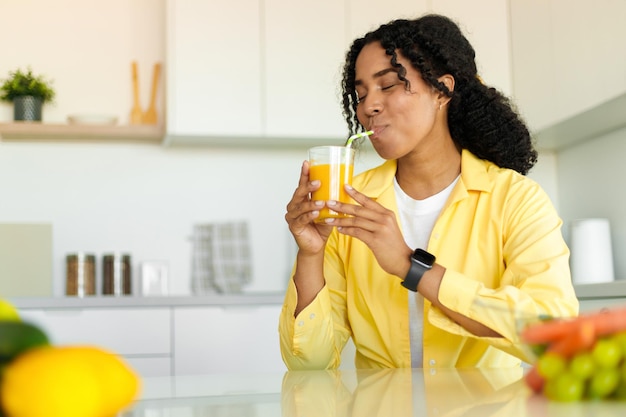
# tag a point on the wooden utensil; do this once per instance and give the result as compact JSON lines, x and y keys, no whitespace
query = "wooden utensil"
{"x":136,"y":114}
{"x":150,"y":116}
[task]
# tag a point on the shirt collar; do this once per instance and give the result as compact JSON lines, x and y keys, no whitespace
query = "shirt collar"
{"x":473,"y":175}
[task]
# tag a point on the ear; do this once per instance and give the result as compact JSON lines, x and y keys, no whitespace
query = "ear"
{"x":448,"y":81}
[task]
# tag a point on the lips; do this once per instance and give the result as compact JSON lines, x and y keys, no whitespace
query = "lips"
{"x":377,"y":130}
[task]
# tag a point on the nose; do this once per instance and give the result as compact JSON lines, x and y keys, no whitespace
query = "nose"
{"x":373,"y":107}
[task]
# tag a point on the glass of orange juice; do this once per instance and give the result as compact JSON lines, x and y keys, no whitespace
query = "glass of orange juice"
{"x":333,"y":166}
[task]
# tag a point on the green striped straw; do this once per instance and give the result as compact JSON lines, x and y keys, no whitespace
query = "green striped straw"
{"x":356,"y":136}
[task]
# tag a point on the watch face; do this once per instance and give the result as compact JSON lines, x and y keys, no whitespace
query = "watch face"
{"x":424,"y":257}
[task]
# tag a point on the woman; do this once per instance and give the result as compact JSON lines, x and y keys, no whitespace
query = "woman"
{"x":448,"y":245}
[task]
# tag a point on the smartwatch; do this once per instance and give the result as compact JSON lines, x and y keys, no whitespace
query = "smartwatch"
{"x":421,"y":262}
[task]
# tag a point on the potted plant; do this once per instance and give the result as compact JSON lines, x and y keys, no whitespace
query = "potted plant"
{"x":27,"y":92}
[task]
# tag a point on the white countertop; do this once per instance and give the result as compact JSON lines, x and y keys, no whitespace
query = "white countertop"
{"x":616,"y":289}
{"x":106,"y":301}
{"x":380,"y":393}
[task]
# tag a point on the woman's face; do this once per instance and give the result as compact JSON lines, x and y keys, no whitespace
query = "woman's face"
{"x":402,"y":120}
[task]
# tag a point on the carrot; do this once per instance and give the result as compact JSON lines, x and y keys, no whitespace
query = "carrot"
{"x":579,"y":340}
{"x":604,"y":321}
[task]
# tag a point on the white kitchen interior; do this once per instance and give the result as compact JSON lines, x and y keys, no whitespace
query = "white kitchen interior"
{"x":246,"y":87}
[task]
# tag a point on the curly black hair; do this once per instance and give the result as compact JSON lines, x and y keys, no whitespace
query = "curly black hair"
{"x":480,"y":118}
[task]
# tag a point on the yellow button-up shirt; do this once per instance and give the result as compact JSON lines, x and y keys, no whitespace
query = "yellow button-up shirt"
{"x":499,"y":238}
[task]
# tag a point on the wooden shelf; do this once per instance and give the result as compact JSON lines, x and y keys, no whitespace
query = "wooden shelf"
{"x":34,"y":131}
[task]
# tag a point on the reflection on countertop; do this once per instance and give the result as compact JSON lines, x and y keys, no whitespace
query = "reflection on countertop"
{"x":362,"y":393}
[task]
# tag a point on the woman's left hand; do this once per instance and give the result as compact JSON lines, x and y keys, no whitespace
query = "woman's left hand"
{"x":375,"y":226}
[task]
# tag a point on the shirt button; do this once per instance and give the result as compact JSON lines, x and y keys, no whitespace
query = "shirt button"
{"x":312,"y":316}
{"x":300,"y":323}
{"x":432,"y":362}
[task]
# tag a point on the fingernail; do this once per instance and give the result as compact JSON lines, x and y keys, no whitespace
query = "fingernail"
{"x":319,"y":203}
{"x":329,"y":220}
{"x":349,"y":187}
{"x":315,"y":213}
{"x":315,"y":182}
{"x":331,"y":202}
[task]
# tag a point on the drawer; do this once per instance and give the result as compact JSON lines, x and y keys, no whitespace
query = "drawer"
{"x":125,"y":331}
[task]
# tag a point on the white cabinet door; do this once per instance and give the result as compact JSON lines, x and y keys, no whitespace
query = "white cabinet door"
{"x":141,"y":336}
{"x":213,"y":68}
{"x":485,"y":23}
{"x":304,"y":51}
{"x":567,"y":56}
{"x":368,"y":15}
{"x":226,"y":339}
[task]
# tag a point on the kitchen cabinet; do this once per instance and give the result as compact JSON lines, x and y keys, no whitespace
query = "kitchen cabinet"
{"x":267,"y":73}
{"x":140,"y":336}
{"x":165,"y":336}
{"x":566,"y":63}
{"x":226,"y":339}
{"x":214,"y":73}
{"x":303,"y":50}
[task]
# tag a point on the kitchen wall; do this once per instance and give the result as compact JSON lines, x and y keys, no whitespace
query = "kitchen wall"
{"x":140,"y":198}
{"x":591,"y":184}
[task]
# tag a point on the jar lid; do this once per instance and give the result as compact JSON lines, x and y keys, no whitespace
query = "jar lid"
{"x":81,"y":256}
{"x":113,"y":256}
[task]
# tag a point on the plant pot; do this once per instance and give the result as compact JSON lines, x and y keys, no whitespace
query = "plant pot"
{"x":27,"y":108}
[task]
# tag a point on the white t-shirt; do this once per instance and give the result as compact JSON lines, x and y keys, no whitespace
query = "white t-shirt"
{"x":417,"y":219}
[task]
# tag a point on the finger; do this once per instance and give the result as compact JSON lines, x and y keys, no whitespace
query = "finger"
{"x":304,"y":212}
{"x":362,"y":199}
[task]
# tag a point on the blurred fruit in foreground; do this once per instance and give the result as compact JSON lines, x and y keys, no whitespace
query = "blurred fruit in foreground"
{"x":17,"y":337}
{"x":8,"y":312}
{"x":72,"y":381}
{"x":582,"y":357}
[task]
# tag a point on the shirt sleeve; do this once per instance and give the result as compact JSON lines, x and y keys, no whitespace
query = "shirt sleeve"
{"x":315,"y":338}
{"x":536,"y":281}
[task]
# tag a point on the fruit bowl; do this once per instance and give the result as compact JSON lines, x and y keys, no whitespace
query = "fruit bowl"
{"x":581,"y":358}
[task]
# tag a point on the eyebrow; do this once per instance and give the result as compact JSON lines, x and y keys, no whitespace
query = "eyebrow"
{"x":377,"y":75}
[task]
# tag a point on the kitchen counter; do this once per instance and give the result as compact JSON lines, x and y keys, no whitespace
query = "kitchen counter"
{"x":616,"y":289}
{"x":388,"y":392}
{"x":137,"y":301}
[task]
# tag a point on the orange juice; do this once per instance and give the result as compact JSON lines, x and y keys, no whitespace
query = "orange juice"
{"x":333,"y":167}
{"x":332,"y":178}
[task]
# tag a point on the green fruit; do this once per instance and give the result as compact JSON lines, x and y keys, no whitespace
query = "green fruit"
{"x":607,"y":353}
{"x":551,"y":365}
{"x":603,"y":383}
{"x":567,"y":388}
{"x":17,"y":337}
{"x":582,"y":365}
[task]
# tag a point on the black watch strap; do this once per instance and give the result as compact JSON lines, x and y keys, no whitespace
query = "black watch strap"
{"x":421,"y":262}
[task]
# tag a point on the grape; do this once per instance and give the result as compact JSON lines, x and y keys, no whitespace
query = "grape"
{"x":550,"y":365}
{"x":603,"y":382}
{"x":620,"y":391}
{"x":565,"y":387}
{"x":607,"y":353}
{"x":620,"y":338}
{"x":582,"y":365}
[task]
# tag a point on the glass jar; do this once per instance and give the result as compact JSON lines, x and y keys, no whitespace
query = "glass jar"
{"x":80,"y":274}
{"x":116,"y":274}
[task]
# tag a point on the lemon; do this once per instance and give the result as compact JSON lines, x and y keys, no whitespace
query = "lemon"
{"x":70,"y":381}
{"x":8,"y":312}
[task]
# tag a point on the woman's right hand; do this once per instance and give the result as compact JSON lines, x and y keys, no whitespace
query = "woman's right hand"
{"x":310,"y":237}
